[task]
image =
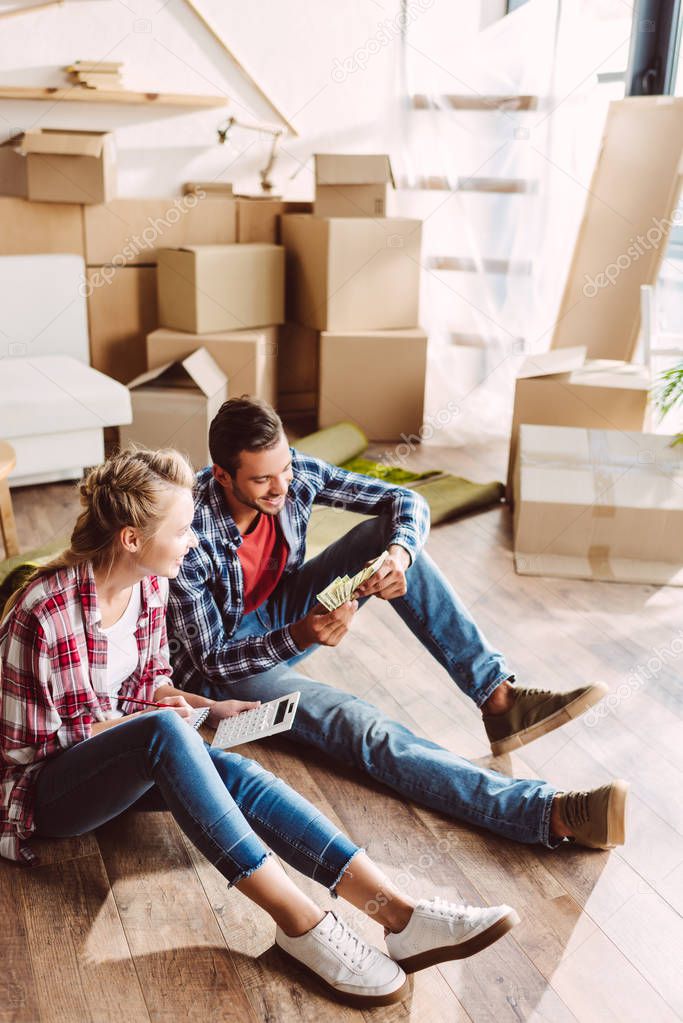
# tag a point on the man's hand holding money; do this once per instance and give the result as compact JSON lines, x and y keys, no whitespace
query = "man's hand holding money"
{"x":389,"y":581}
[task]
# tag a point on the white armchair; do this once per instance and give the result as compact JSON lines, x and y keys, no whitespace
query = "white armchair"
{"x":53,"y":404}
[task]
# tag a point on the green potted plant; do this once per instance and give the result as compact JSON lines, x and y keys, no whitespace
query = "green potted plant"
{"x":669,"y":392}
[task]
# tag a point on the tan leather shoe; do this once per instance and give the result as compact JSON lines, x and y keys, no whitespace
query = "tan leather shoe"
{"x":535,"y":712}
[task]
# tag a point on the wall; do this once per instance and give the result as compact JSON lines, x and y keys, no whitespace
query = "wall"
{"x":328,"y":66}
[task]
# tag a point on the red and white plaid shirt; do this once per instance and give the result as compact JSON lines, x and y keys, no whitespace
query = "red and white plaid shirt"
{"x":53,"y":660}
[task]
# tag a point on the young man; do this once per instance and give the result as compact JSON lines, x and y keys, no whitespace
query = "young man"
{"x":243,"y":609}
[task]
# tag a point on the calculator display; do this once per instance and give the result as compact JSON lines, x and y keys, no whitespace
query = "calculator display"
{"x":280,"y":712}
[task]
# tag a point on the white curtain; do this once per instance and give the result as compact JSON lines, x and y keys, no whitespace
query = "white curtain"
{"x":499,"y":299}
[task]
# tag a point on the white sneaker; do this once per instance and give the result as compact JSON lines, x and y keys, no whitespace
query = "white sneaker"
{"x":358,"y":972}
{"x":438,"y":931}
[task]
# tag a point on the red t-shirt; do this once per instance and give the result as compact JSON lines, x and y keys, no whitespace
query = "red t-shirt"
{"x":262,"y":555}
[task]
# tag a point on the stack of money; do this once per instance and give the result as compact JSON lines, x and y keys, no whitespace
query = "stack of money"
{"x":96,"y":74}
{"x":341,"y":589}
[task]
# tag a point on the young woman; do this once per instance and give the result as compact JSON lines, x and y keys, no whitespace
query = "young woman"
{"x":82,"y":642}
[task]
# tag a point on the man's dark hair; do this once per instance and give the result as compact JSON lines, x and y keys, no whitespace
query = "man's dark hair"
{"x":242,"y":424}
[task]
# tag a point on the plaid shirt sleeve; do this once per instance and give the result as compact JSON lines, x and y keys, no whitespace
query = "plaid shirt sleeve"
{"x":197,"y":625}
{"x":339,"y":488}
{"x":30,"y":725}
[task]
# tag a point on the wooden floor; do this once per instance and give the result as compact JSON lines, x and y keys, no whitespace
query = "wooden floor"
{"x":132,"y":924}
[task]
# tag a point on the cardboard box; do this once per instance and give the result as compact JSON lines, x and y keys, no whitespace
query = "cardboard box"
{"x":205,"y":288}
{"x":133,"y":231}
{"x":12,"y":168}
{"x":258,"y":219}
{"x":247,"y":357}
{"x":375,"y":379}
{"x":122,"y":310}
{"x":559,"y":388}
{"x":352,"y":186}
{"x":629,"y":209}
{"x":347,"y":274}
{"x":69,"y":166}
{"x":599,"y":504}
{"x":30,"y":228}
{"x":173,"y":406}
{"x":298,"y":360}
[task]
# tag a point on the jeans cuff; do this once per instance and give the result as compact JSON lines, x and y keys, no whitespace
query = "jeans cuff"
{"x":248,"y":871}
{"x":504,"y":676}
{"x":342,"y":872}
{"x":545,"y":837}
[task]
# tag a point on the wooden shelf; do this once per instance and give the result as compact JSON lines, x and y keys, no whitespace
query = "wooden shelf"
{"x":76,"y":94}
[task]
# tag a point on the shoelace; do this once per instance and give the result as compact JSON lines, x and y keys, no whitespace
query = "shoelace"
{"x":349,"y":944}
{"x":536,"y":692}
{"x":458,"y":910}
{"x":576,"y":809}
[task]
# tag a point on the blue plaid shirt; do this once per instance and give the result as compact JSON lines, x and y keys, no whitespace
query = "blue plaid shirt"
{"x":206,"y":600}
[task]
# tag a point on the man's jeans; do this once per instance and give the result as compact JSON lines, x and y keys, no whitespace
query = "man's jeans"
{"x":223,"y":802}
{"x":356,"y":733}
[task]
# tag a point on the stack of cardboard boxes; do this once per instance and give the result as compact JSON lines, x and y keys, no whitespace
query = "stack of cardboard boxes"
{"x":594,"y":496}
{"x":353,"y":284}
{"x":163,"y":277}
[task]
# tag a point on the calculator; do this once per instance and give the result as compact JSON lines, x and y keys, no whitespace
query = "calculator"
{"x":268,"y":719}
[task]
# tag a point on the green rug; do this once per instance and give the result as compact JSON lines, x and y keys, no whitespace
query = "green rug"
{"x":14,"y":572}
{"x":448,"y":496}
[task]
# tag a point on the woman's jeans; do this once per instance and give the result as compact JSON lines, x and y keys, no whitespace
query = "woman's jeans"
{"x":225,"y":803}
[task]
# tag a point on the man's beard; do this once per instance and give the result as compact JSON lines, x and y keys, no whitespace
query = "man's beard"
{"x":255,"y":504}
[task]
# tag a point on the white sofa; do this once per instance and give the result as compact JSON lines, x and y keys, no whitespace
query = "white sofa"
{"x":53,"y":405}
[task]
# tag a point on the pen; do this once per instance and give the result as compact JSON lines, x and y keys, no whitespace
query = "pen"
{"x":147,"y":703}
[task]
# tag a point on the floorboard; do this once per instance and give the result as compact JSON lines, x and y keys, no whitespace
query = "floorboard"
{"x":131,"y":923}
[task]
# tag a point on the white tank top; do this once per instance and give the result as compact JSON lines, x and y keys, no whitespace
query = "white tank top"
{"x":122,"y":649}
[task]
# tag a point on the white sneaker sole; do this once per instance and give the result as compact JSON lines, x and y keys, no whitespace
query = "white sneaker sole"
{"x":347,"y":998}
{"x":480,"y":941}
{"x":598,"y":691}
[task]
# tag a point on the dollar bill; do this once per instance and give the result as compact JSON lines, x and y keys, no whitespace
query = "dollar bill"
{"x":341,"y":589}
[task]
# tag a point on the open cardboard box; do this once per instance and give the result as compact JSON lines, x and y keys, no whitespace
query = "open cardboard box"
{"x":599,"y":504}
{"x":352,"y":186}
{"x":69,"y":166}
{"x":560,"y":388}
{"x":247,"y":357}
{"x":173,"y":406}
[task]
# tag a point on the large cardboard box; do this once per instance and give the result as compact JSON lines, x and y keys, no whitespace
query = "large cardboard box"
{"x":206,"y":288}
{"x":352,"y":273}
{"x":173,"y":406}
{"x":258,"y":219}
{"x":69,"y":166}
{"x":298,"y":368}
{"x":122,"y":310}
{"x":247,"y":357}
{"x":599,"y":504}
{"x":559,"y":388}
{"x":630,"y":207}
{"x":352,"y":186}
{"x":132,"y":231}
{"x":375,"y":379}
{"x":30,"y":228}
